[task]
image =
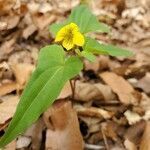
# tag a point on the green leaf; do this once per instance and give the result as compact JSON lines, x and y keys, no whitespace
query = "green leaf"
{"x":87,"y":22}
{"x":95,"y":47}
{"x":55,"y":27}
{"x":52,"y":72}
{"x":88,"y":55}
{"x":82,"y":16}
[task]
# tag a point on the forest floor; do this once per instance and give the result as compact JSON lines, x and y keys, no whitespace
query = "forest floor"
{"x":111,"y":106}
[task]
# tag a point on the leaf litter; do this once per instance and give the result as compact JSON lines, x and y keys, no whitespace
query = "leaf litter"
{"x":111,"y":105}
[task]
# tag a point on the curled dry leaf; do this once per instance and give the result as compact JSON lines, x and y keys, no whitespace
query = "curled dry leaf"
{"x":145,"y":143}
{"x":66,"y":134}
{"x":93,"y":112}
{"x":8,"y":107}
{"x":126,"y":93}
{"x":86,"y":92}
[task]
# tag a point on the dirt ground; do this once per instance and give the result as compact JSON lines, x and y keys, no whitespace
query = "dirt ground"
{"x":111,"y":106}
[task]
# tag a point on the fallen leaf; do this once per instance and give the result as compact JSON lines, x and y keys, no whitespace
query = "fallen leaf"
{"x":8,"y":107}
{"x":126,"y":93}
{"x":11,"y":146}
{"x":129,"y":145}
{"x":66,"y":91}
{"x":23,"y":142}
{"x":66,"y":134}
{"x":7,"y":47}
{"x":35,"y":133}
{"x":93,"y":112}
{"x":3,"y":26}
{"x":43,"y":21}
{"x":29,"y":31}
{"x":132,"y":117}
{"x":22,"y":72}
{"x":145,"y":142}
{"x":144,"y":83}
{"x":87,"y":92}
{"x":134,"y":133}
{"x":7,"y":88}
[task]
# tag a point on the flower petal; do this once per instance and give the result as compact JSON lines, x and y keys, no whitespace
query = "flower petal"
{"x":60,"y":35}
{"x":68,"y":44}
{"x":73,"y":27}
{"x":78,"y":39}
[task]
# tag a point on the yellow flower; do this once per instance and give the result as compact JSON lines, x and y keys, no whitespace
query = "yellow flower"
{"x":70,"y":36}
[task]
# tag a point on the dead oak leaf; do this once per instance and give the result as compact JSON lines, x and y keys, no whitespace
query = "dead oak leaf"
{"x":8,"y":107}
{"x":66,"y":134}
{"x":145,"y":143}
{"x":144,"y":83}
{"x":7,"y":88}
{"x":126,"y":93}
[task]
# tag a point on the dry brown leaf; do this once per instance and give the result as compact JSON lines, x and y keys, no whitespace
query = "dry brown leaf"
{"x":93,"y":112}
{"x":7,"y":47}
{"x":86,"y":92}
{"x":145,"y":142}
{"x":134,"y":133}
{"x":132,"y":117}
{"x":7,"y":88}
{"x":144,"y":83}
{"x":6,"y":6}
{"x":3,"y":26}
{"x":66,"y":134}
{"x":127,"y":94}
{"x":35,"y":133}
{"x":23,"y":142}
{"x":12,"y":21}
{"x":29,"y":31}
{"x":129,"y":145}
{"x":22,"y":72}
{"x":8,"y":107}
{"x":11,"y":146}
{"x":66,"y":91}
{"x":43,"y":21}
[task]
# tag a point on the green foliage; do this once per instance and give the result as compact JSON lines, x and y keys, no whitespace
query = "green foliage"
{"x":52,"y":72}
{"x":86,"y":21}
{"x":95,"y":47}
{"x":54,"y":69}
{"x":88,"y":55}
{"x":55,"y":27}
{"x":83,"y":17}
